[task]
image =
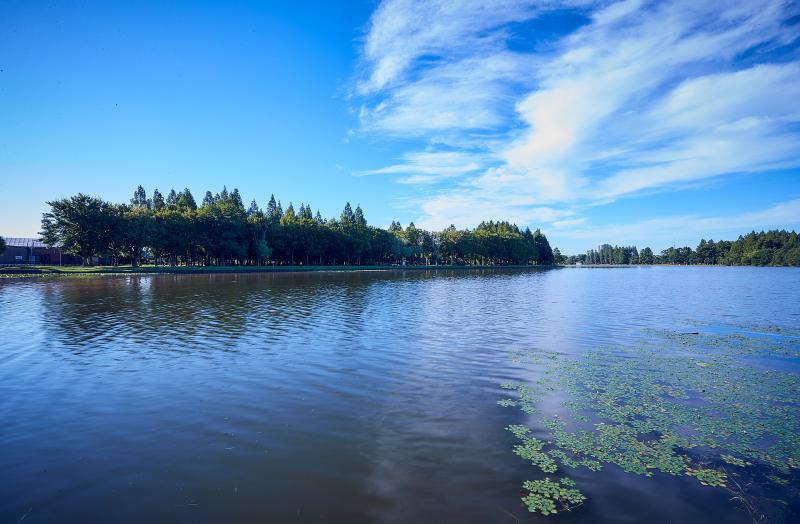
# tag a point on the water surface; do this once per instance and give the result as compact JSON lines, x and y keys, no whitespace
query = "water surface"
{"x":337,"y":397}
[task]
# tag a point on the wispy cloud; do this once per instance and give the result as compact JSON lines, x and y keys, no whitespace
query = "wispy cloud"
{"x":405,"y":34}
{"x":642,"y":97}
{"x":436,"y":67}
{"x":427,"y":167}
{"x":664,"y":231}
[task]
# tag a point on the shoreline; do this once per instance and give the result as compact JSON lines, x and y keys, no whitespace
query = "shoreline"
{"x":43,"y":271}
{"x":80,"y":271}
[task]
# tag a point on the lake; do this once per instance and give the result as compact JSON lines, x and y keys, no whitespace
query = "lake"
{"x":379,"y":396}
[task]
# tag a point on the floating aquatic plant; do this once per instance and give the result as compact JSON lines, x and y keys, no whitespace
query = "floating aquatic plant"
{"x":734,"y":461}
{"x":548,"y":497}
{"x":778,"y":480}
{"x":531,"y":449}
{"x":708,"y":477}
{"x":678,"y":405}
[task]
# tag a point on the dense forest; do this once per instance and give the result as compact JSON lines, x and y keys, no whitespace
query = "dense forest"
{"x":770,"y":248}
{"x":175,"y":230}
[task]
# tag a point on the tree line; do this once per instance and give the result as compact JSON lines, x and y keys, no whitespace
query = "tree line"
{"x":175,"y":230}
{"x":766,"y":248}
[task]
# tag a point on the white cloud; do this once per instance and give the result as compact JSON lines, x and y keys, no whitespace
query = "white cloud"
{"x":468,"y":94}
{"x":572,"y":222}
{"x":613,"y":85}
{"x":661,"y":232}
{"x":442,"y":212}
{"x":405,"y":32}
{"x":427,"y":167}
{"x":644,"y":96}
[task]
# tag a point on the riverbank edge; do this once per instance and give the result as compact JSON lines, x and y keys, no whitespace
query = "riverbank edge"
{"x":43,"y":271}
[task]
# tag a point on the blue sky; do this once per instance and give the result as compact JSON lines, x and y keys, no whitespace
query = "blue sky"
{"x":622,"y":122}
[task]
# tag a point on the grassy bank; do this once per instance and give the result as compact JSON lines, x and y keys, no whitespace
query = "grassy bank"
{"x":10,"y":271}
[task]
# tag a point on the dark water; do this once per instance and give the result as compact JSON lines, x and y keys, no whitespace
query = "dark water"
{"x":339,"y":397}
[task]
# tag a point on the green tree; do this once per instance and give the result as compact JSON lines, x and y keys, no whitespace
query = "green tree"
{"x":130,"y":230}
{"x":140,"y":198}
{"x":289,"y":216}
{"x":222,"y":232}
{"x":236,"y":199}
{"x":272,"y":210}
{"x":347,"y":218}
{"x":358,"y":218}
{"x":185,"y":201}
{"x":172,"y":199}
{"x":545,"y":253}
{"x":264,"y":251}
{"x":413,"y":237}
{"x":158,"y":200}
{"x":80,"y":224}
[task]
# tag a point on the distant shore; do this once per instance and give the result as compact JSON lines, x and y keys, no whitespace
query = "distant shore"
{"x":33,"y":271}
